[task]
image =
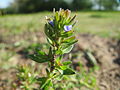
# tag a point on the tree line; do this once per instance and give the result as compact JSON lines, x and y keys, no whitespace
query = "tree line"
{"x":30,"y":6}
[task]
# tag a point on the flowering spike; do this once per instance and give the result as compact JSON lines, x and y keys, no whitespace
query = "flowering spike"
{"x":61,"y":40}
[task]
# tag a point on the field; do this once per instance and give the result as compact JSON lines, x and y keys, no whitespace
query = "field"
{"x":98,"y":34}
{"x":105,"y":24}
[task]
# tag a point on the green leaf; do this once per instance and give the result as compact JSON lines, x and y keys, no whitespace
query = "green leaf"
{"x":47,"y":85}
{"x":48,"y":72}
{"x":48,"y":32}
{"x":42,"y":79}
{"x":50,"y":52}
{"x":43,"y":82}
{"x":41,"y":53}
{"x":63,"y":67}
{"x":51,"y":30}
{"x":49,"y":41}
{"x":67,"y":63}
{"x":60,"y":77}
{"x":68,"y":49}
{"x":68,"y":71}
{"x":59,"y":52}
{"x":57,"y":16}
{"x":72,"y":19}
{"x":70,"y":39}
{"x":38,"y":59}
{"x":60,"y":71}
{"x":59,"y":58}
{"x":66,"y":34}
{"x":72,"y":42}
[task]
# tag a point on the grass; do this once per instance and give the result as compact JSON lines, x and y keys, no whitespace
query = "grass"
{"x":104,"y":24}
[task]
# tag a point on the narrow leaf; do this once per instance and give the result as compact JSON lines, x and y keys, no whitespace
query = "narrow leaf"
{"x":66,"y":62}
{"x":67,"y":49}
{"x":68,"y":71}
{"x":38,"y":59}
{"x":69,"y":39}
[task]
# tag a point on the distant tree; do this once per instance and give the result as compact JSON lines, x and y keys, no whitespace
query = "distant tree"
{"x":28,"y":6}
{"x":110,"y":4}
{"x":99,"y":2}
{"x":107,"y":4}
{"x":82,"y":4}
{"x":2,"y":12}
{"x":57,"y":4}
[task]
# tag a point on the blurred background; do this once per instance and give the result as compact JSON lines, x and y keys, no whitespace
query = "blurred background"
{"x":97,"y":30}
{"x":30,"y":6}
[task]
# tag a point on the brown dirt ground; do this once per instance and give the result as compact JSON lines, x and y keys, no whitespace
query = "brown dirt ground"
{"x":106,"y":52}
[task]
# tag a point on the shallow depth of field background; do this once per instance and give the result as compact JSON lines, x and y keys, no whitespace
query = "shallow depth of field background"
{"x":97,"y":29}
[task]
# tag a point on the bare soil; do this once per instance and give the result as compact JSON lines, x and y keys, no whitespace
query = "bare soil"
{"x":106,"y":52}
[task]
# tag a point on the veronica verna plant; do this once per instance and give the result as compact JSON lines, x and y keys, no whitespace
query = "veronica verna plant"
{"x":61,"y":39}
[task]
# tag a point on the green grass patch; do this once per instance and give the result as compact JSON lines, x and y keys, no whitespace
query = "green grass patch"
{"x":105,"y":24}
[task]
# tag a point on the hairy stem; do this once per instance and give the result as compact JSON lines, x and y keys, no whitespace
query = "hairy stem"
{"x":52,"y":64}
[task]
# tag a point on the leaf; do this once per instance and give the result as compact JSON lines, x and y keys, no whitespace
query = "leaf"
{"x":59,"y":58}
{"x":68,"y":49}
{"x":42,"y":79}
{"x":60,"y":71}
{"x":67,"y":34}
{"x":57,"y":15}
{"x":59,"y":78}
{"x":71,"y":43}
{"x":68,"y":71}
{"x":38,"y":59}
{"x":72,"y":19}
{"x":51,"y":30}
{"x":48,"y":32}
{"x":47,"y":85}
{"x":49,"y":41}
{"x":44,"y":82}
{"x":59,"y":52}
{"x":50,"y":52}
{"x":67,"y":63}
{"x":69,"y":39}
{"x":63,"y":67}
{"x":48,"y":72}
{"x":41,"y":53}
